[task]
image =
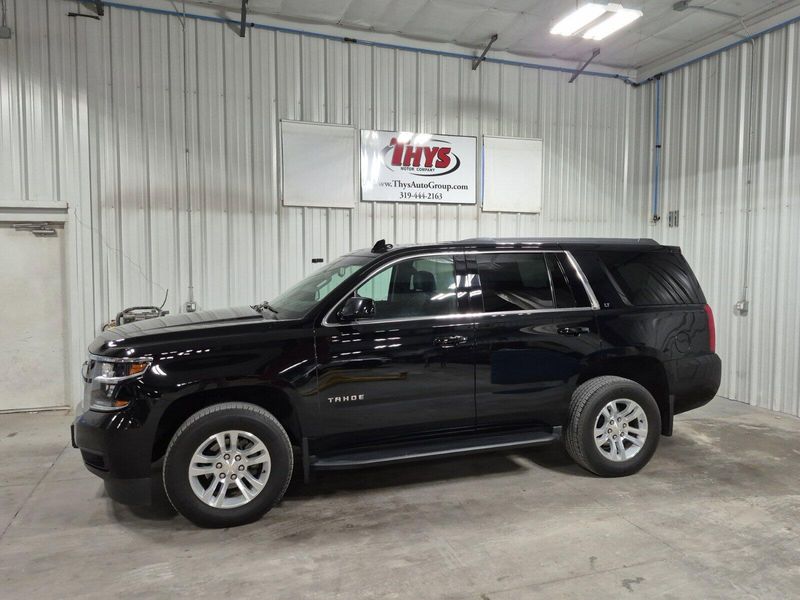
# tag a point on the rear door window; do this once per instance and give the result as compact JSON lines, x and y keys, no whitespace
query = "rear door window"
{"x":652,"y":278}
{"x":517,"y":281}
{"x":514,"y":281}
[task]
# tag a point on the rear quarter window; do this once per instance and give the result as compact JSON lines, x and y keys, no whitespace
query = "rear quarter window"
{"x":652,"y":278}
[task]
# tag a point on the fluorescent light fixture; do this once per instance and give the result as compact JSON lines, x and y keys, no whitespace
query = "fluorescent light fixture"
{"x":578,"y":19}
{"x":618,"y":19}
{"x":590,"y":17}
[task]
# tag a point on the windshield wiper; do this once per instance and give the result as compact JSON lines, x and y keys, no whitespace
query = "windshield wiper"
{"x":264,"y":305}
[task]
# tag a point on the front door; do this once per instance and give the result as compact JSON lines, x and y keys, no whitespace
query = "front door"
{"x":536,"y":329}
{"x":409,"y":369}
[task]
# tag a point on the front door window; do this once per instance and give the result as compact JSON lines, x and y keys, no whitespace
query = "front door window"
{"x":418,"y":287}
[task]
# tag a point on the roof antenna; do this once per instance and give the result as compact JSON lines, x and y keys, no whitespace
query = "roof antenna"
{"x":381,"y":246}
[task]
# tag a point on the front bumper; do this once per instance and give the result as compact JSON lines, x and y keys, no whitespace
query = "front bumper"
{"x":117,"y":448}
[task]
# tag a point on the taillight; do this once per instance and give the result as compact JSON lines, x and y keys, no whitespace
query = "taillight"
{"x":712,"y":329}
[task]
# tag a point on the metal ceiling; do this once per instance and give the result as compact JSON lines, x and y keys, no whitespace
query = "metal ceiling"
{"x":523,"y":25}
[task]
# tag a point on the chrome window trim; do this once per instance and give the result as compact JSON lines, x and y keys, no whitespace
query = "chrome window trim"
{"x":595,"y":305}
{"x":327,"y":323}
{"x":582,"y":276}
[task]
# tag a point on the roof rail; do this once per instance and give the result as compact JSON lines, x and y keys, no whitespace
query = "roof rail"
{"x":564,"y":240}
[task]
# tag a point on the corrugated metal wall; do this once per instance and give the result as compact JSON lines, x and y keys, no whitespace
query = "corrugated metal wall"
{"x":245,"y":244}
{"x":732,"y":167}
{"x":97,"y":115}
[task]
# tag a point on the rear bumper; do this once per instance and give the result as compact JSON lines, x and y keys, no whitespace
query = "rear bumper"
{"x":116,"y":448}
{"x":694,"y":381}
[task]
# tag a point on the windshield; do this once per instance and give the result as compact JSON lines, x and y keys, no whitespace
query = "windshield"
{"x":305,"y":295}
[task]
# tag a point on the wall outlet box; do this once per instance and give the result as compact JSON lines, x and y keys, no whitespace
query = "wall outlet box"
{"x":5,"y":33}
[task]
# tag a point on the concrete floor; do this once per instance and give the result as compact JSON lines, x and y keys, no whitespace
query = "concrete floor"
{"x":716,"y":514}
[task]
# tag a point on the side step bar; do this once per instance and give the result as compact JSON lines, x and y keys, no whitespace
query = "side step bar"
{"x":433,"y":449}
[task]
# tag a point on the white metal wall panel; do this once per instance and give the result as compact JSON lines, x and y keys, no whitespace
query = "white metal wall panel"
{"x":707,"y":149}
{"x":11,"y":172}
{"x":166,"y":150}
{"x":170,"y":186}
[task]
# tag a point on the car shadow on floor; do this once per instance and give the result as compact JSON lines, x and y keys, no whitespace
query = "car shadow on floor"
{"x":485,"y":465}
{"x":553,"y":458}
{"x":159,"y":509}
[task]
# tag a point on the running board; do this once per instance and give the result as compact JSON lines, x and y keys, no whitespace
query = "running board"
{"x":434,"y":449}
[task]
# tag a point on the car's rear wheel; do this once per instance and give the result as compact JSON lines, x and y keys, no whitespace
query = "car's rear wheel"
{"x":614,"y":426}
{"x":227,"y":465}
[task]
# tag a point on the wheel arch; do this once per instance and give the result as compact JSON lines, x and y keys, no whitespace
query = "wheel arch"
{"x":647,"y":371}
{"x":273,"y":399}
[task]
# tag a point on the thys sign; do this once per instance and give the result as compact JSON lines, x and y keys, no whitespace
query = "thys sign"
{"x":402,"y":166}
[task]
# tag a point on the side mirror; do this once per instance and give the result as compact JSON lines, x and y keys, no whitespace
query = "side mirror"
{"x":357,"y":308}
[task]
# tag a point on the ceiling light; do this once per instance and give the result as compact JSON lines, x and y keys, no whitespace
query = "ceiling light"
{"x":618,"y":19}
{"x":578,"y":19}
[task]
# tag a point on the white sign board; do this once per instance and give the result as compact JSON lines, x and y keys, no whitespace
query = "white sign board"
{"x":318,"y":165}
{"x":512,"y":174}
{"x":402,"y":166}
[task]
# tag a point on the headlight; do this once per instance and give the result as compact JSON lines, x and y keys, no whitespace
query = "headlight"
{"x":108,"y":374}
{"x":114,"y":372}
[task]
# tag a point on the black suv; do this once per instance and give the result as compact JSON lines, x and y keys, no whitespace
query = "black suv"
{"x":402,"y":353}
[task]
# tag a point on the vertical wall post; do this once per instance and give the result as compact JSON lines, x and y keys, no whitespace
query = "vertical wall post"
{"x":656,"y":208}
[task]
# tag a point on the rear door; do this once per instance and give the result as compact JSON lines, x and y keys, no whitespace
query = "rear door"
{"x":535,"y":329}
{"x":409,"y":369}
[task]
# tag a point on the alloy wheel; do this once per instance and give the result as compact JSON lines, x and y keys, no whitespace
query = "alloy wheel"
{"x":620,"y":430}
{"x":229,"y":469}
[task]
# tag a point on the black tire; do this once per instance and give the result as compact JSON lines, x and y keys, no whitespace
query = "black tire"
{"x":587,"y":403}
{"x":198,"y":428}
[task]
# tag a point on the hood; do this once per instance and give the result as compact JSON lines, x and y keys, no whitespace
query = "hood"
{"x":183,"y":325}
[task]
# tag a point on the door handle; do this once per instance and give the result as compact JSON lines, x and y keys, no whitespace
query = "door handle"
{"x":573,"y":331}
{"x":450,"y":341}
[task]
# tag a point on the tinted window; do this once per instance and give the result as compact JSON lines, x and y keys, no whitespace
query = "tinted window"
{"x":514,"y":281}
{"x":416,"y":287}
{"x":652,"y":278}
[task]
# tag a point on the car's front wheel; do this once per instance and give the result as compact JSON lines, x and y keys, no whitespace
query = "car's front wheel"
{"x":227,"y":465}
{"x":614,"y":426}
